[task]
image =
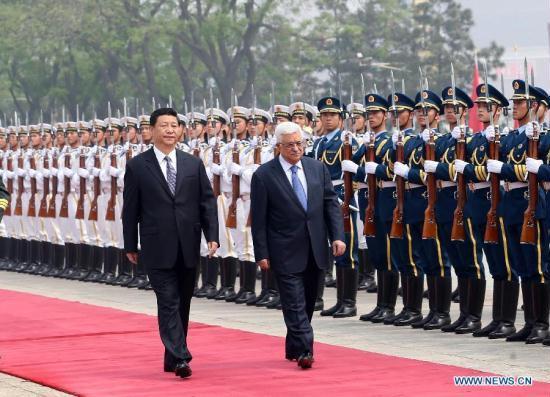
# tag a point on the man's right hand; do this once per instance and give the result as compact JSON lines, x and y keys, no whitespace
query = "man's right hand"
{"x":338,"y":248}
{"x":264,"y":264}
{"x":132,"y":257}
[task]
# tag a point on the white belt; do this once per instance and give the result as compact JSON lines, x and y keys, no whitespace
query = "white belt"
{"x":245,"y":196}
{"x":410,"y":186}
{"x":337,"y":182}
{"x":444,"y":184}
{"x":478,"y":185}
{"x":385,"y":184}
{"x":514,"y":185}
{"x":361,"y":185}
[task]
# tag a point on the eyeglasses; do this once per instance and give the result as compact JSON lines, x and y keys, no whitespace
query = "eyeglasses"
{"x":289,"y":145}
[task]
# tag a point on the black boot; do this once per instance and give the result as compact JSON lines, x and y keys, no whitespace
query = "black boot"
{"x":249,"y":293}
{"x":57,"y":258}
{"x":95,"y":264}
{"x":432,"y":302}
{"x":463,"y":293}
{"x":496,"y":312}
{"x":12,"y":249}
{"x":476,"y":298}
{"x":110,"y":268}
{"x":34,"y":257}
{"x":413,"y":287}
{"x":528,"y":313}
{"x":379,"y":299}
{"x":212,"y":270}
{"x":405,"y":296}
{"x":3,"y":252}
{"x":443,"y":291}
{"x":46,"y":264}
{"x":242,"y":277}
{"x":362,"y":275}
{"x":201,"y":293}
{"x":319,"y":302}
{"x":24,"y":261}
{"x":126,"y":275}
{"x":508,"y":302}
{"x":70,"y":261}
{"x":229,"y":273}
{"x":391,"y":283}
{"x":349,"y":296}
{"x":339,"y":293}
{"x":330,"y":282}
{"x":369,"y":270}
{"x":263,"y":293}
{"x":540,"y":304}
{"x":84,"y":261}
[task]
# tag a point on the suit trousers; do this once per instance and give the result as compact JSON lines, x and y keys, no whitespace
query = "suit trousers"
{"x":298,"y":292}
{"x":174,"y":289}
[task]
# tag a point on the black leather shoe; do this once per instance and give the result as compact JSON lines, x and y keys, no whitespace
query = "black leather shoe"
{"x":368,"y":316}
{"x":546,"y":341}
{"x":183,"y":370}
{"x":291,"y":357}
{"x":485,"y":331}
{"x":503,"y":330}
{"x":346,"y":310}
{"x":538,"y":334}
{"x":471,"y":324}
{"x":330,"y":311}
{"x":319,"y":305}
{"x":438,"y":320}
{"x":383,"y":314}
{"x":390,"y":320}
{"x":408,"y":318}
{"x":305,"y":360}
{"x":274,"y":303}
{"x":521,"y":335}
{"x":245,"y":297}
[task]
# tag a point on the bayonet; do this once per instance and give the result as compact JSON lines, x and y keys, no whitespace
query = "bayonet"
{"x":212,"y":121}
{"x":403,"y":86}
{"x":527,"y":93}
{"x":254,"y":122}
{"x":393,"y":105}
{"x":423,"y":104}
{"x":169,"y":101}
{"x":153,"y":103}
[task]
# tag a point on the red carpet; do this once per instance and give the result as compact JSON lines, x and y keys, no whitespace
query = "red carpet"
{"x":94,"y":351}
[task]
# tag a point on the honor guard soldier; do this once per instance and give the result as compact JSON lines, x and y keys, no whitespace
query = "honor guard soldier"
{"x":181,"y":134}
{"x":329,"y":150}
{"x":527,"y":239}
{"x":5,"y":236}
{"x":427,"y":253}
{"x":145,"y":131}
{"x":453,"y":229}
{"x":376,"y":159}
{"x":480,"y":210}
{"x":8,"y":178}
{"x":366,"y":270}
{"x":281,"y":113}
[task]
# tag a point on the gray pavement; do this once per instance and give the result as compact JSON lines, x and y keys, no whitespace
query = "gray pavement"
{"x":500,"y":357}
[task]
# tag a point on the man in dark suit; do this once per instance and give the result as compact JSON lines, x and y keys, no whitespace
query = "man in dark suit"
{"x":295,"y":213}
{"x":168,"y":195}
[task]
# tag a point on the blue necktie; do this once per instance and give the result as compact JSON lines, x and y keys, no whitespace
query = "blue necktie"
{"x":298,"y":188}
{"x":170,"y":175}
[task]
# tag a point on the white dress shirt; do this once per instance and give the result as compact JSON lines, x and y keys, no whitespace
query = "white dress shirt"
{"x":301,"y":176}
{"x":162,"y":162}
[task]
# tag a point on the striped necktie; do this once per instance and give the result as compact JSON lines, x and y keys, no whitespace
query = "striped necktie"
{"x":170,"y":175}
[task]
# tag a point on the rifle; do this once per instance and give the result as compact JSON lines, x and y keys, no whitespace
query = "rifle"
{"x":97,"y":189}
{"x":51,"y":210}
{"x":216,"y":160}
{"x":429,"y":229}
{"x":110,"y":215}
{"x":458,"y":233}
{"x":348,"y":186}
{"x":43,"y":211}
{"x":529,"y":227}
{"x":369,"y":227}
{"x":231,"y":221}
{"x":64,"y":211}
{"x":80,"y":205}
{"x":396,"y":230}
{"x":31,"y":211}
{"x":7,"y":211}
{"x":20,"y":187}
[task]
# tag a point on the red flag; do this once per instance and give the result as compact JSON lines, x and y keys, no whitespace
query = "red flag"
{"x":474,"y":122}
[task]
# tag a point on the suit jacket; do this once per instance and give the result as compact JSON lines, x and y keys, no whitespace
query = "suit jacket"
{"x":282,"y":231}
{"x":167,"y":222}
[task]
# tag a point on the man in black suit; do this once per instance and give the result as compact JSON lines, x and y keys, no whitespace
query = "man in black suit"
{"x":295,"y":213}
{"x":168,"y":195}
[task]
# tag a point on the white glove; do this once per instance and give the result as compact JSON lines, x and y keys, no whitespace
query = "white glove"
{"x":401,"y":169}
{"x":236,"y":169}
{"x":370,"y":167}
{"x":216,"y":169}
{"x":530,"y":129}
{"x":96,"y":172}
{"x":366,"y":139}
{"x":21,"y":172}
{"x":273,"y":141}
{"x":505,"y":131}
{"x":32,"y":173}
{"x":489,"y":133}
{"x":460,"y":165}
{"x":254,"y":141}
{"x":455,"y":133}
{"x":394,"y":138}
{"x":193,"y":144}
{"x":494,"y":166}
{"x":10,"y":174}
{"x":46,"y":173}
{"x":349,"y":166}
{"x":212,"y":140}
{"x":114,"y":172}
{"x":426,"y":135}
{"x":532,"y":165}
{"x":68,"y":172}
{"x":83,"y":173}
{"x":430,"y":166}
{"x":54,"y":171}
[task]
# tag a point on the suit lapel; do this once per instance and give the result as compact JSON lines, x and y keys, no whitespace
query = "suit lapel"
{"x":154,"y":167}
{"x":308,"y":172}
{"x":283,"y":180}
{"x":180,"y":170}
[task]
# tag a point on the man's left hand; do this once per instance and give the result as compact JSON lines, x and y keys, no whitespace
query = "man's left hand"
{"x":212,"y":248}
{"x":338,"y":248}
